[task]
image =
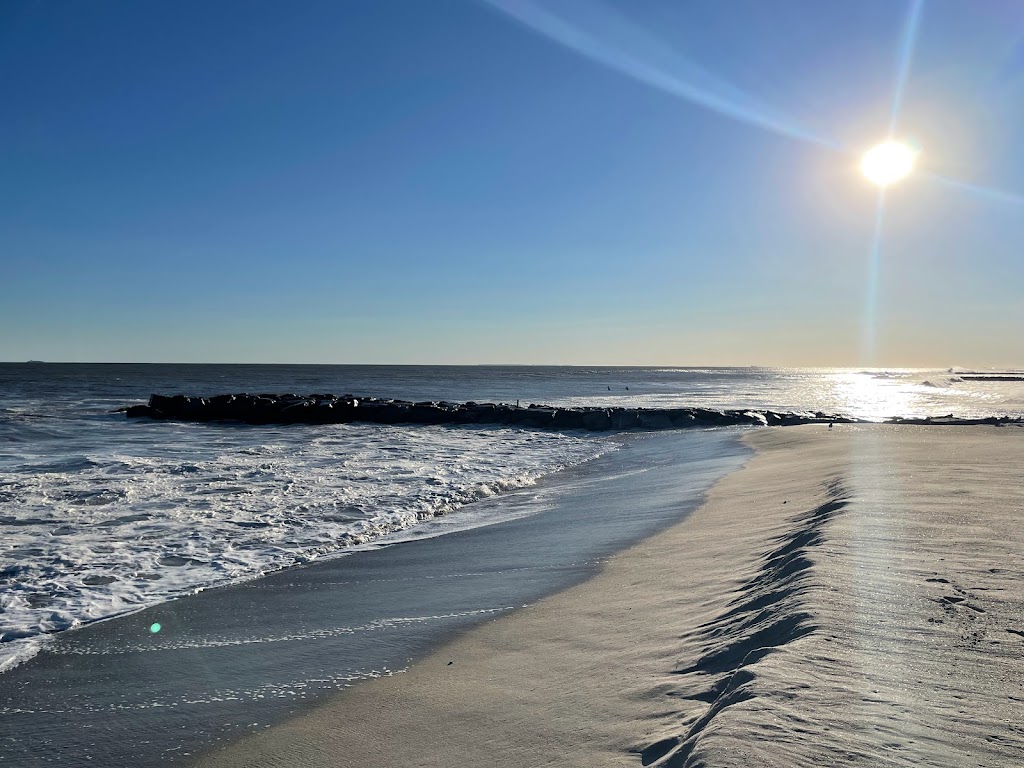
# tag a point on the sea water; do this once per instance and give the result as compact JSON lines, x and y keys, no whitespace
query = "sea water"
{"x":100,"y":515}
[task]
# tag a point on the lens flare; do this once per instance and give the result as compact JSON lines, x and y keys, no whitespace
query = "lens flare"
{"x":598,"y":32}
{"x":888,"y":162}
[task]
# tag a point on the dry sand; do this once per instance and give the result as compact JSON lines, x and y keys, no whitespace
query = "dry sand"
{"x":852,"y":596}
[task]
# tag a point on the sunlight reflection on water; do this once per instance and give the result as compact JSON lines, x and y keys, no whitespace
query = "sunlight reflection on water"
{"x":872,"y":397}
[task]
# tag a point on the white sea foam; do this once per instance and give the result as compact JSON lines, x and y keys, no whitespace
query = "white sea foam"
{"x":99,"y":516}
{"x":90,"y":536}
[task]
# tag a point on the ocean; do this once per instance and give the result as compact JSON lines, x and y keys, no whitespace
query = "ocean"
{"x":101,"y":517}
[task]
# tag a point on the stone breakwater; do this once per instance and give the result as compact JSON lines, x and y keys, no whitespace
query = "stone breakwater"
{"x":345,"y":409}
{"x":331,"y":409}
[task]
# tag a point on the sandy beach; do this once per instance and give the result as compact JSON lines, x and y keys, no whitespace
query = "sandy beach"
{"x":512,"y":383}
{"x":850,"y":597}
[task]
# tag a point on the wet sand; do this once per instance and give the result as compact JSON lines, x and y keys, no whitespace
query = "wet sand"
{"x":235,"y":659}
{"x":852,"y":596}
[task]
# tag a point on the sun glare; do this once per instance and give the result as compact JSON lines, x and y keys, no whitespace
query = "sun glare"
{"x":887,"y":163}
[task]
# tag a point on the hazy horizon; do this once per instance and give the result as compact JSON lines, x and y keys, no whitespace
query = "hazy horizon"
{"x":696,"y":366}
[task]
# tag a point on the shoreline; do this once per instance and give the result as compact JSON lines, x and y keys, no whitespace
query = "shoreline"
{"x":847,"y":596}
{"x":228,"y":660}
{"x":23,"y":649}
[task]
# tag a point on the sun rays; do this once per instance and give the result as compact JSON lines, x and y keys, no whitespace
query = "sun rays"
{"x":885,"y":164}
{"x":596,"y":32}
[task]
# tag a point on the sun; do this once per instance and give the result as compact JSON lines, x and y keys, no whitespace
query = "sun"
{"x":888,"y":162}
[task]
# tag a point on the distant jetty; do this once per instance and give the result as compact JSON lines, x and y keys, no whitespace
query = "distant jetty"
{"x":346,"y":409}
{"x":995,"y":377}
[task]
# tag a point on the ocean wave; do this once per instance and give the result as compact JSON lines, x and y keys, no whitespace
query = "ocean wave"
{"x":91,"y":536}
{"x":100,"y":517}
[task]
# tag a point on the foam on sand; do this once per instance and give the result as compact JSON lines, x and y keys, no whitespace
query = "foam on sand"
{"x":136,"y":524}
{"x":852,"y":596}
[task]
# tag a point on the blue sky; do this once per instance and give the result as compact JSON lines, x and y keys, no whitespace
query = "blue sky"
{"x":454,"y":181}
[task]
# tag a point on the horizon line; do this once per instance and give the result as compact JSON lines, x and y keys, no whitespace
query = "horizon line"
{"x":936,"y":367}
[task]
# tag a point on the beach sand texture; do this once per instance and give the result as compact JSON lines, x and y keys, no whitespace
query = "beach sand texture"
{"x":852,"y":596}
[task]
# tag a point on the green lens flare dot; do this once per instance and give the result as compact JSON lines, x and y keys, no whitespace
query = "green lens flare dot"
{"x":154,"y":628}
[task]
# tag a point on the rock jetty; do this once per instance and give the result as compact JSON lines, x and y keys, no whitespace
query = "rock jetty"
{"x":344,"y":409}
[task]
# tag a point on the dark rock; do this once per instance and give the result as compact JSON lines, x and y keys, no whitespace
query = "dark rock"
{"x":654,"y":419}
{"x":328,"y":409}
{"x":597,"y":421}
{"x":682,"y":418}
{"x":167,"y":404}
{"x":622,"y":418}
{"x":567,"y":419}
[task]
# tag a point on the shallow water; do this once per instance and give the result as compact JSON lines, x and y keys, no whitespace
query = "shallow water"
{"x":153,"y":687}
{"x":99,"y":515}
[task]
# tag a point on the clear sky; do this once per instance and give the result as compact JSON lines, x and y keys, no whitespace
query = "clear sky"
{"x":460,"y":181}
